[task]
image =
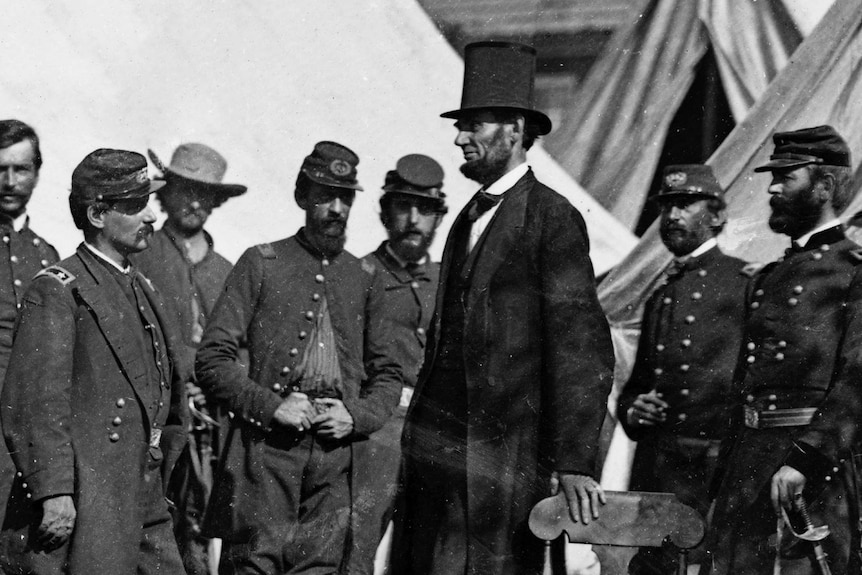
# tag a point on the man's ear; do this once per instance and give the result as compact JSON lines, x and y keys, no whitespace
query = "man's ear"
{"x":517,"y":131}
{"x":96,"y":216}
{"x":825,"y":187}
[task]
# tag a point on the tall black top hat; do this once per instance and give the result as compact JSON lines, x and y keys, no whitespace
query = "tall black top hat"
{"x":500,"y":75}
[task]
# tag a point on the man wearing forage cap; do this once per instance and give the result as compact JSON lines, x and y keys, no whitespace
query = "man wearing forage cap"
{"x":411,"y":208}
{"x":321,"y":374}
{"x":677,"y":401}
{"x":793,"y":441}
{"x":95,"y":397}
{"x":518,"y":363}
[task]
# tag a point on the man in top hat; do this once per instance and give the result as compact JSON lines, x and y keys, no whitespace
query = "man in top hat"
{"x":321,"y":374}
{"x":190,"y":275}
{"x":518,"y":364}
{"x":411,"y":208}
{"x":797,"y":428}
{"x":94,"y":414}
{"x":676,"y":403}
{"x":25,"y":251}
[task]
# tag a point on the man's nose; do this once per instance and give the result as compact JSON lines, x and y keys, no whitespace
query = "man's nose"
{"x":149,"y":215}
{"x":462,"y":139}
{"x":414,"y":215}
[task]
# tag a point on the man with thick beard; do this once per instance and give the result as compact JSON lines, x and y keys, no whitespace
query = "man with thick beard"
{"x":677,"y":401}
{"x":321,"y":374}
{"x":94,"y":411}
{"x":795,"y":439}
{"x":518,"y":364}
{"x":411,"y":208}
{"x":190,"y":275}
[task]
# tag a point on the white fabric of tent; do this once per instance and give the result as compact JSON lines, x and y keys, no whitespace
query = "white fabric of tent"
{"x":259,"y":81}
{"x":613,"y":136}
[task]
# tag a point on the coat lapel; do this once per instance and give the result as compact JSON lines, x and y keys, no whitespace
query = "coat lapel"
{"x":113,"y":314}
{"x":499,"y":237}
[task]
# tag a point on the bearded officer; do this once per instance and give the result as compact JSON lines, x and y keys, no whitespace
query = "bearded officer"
{"x":411,"y":208}
{"x":676,"y":404}
{"x":798,"y":376}
{"x":321,"y":374}
{"x":96,"y":413}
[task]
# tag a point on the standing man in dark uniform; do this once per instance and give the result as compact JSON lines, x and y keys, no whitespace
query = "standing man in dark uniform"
{"x":676,"y":404}
{"x":190,"y":276}
{"x":411,"y":208}
{"x":95,"y":414}
{"x":518,"y":364}
{"x":321,"y":374}
{"x":798,"y":376}
{"x":22,"y":253}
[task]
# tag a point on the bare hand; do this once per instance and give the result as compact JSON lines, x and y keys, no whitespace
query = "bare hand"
{"x":582,"y":493}
{"x":295,"y":411}
{"x":197,"y":395}
{"x":648,"y":410}
{"x":786,"y":484}
{"x":58,"y":521}
{"x":335,"y":422}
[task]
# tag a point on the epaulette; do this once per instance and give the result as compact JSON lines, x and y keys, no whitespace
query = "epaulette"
{"x":267,"y":251}
{"x":751,"y":269}
{"x":61,"y":275}
{"x":855,"y":255}
{"x":368,"y":267}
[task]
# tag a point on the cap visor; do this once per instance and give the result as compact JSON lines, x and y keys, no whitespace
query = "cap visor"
{"x":227,"y":190}
{"x":675,"y":195}
{"x":783,"y":164}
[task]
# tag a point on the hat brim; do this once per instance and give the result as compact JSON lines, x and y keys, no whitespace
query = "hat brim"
{"x":543,"y":122}
{"x":224,"y":190}
{"x":782,"y":164}
{"x":418,"y":195}
{"x":695,"y":196}
{"x":331,"y":184}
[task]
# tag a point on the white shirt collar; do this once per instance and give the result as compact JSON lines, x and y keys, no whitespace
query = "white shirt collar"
{"x":508,"y":180}
{"x":700,"y":250}
{"x":19,"y":222}
{"x":102,"y":256}
{"x":802,"y":240}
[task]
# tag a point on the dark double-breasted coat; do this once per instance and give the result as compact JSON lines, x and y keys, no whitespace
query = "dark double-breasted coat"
{"x":802,"y":348}
{"x":79,"y":412}
{"x":537,"y":361}
{"x":689,"y":343}
{"x":271,"y":300}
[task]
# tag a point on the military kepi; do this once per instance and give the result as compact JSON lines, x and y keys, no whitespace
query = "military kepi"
{"x":696,"y":181}
{"x":331,"y":164}
{"x":418,"y":176}
{"x":111,"y":175}
{"x":818,"y":145}
{"x":500,"y":75}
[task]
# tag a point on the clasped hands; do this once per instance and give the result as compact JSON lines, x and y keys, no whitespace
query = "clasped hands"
{"x":327,"y":417}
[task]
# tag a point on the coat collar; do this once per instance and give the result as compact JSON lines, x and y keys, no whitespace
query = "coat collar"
{"x":397,"y":269}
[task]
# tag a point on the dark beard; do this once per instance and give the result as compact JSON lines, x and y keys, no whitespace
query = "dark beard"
{"x":794,"y":218}
{"x":328,"y":243}
{"x":494,"y":164}
{"x":408,"y":252}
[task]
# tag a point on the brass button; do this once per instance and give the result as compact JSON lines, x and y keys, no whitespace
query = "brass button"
{"x":701,"y":273}
{"x":17,"y":283}
{"x":303,"y":334}
{"x":319,"y":278}
{"x":792,"y":302}
{"x":782,"y":344}
{"x":309,"y":315}
{"x":420,"y":330}
{"x":5,"y":239}
{"x":751,"y":346}
{"x":696,"y":296}
{"x":36,"y":241}
{"x":316,"y":297}
{"x":816,"y":256}
{"x":749,"y":398}
{"x":689,"y":319}
{"x":771,"y":407}
{"x":114,"y":437}
{"x":772,"y":397}
{"x":14,"y":259}
{"x":414,"y":285}
{"x":667,"y":301}
{"x":658,"y":371}
{"x":686,"y":343}
{"x":293,"y":352}
{"x":324,"y":262}
{"x":682,"y":417}
{"x":44,"y":263}
{"x":797,"y":290}
{"x":276,"y":387}
{"x":121,"y":402}
{"x":285,"y":370}
{"x":754,"y":305}
{"x":779,"y":356}
{"x":750,"y":359}
{"x":117,"y":421}
{"x":685,"y":392}
{"x":758,"y":293}
{"x":659,"y":347}
{"x":684,"y":367}
{"x":824,"y":247}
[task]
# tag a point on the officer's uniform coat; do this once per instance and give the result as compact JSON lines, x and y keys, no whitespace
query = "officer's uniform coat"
{"x":538,"y":367}
{"x":689,"y":343}
{"x":78,"y":416}
{"x":22,"y":254}
{"x":409,"y":300}
{"x":802,"y":347}
{"x":271,"y":299}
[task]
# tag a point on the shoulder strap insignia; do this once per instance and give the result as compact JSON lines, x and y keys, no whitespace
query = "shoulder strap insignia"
{"x":856,"y":255}
{"x":751,"y":269}
{"x":368,"y":267}
{"x":267,"y":251}
{"x":61,"y":275}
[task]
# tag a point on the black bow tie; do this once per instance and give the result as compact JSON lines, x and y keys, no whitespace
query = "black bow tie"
{"x":481,"y":203}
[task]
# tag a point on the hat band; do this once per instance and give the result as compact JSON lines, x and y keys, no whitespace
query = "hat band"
{"x":797,"y":157}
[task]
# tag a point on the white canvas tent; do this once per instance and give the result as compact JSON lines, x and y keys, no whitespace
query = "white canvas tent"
{"x":261,"y":82}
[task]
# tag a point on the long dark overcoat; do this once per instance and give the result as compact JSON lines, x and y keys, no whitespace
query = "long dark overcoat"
{"x":77,"y":415}
{"x":538,"y":360}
